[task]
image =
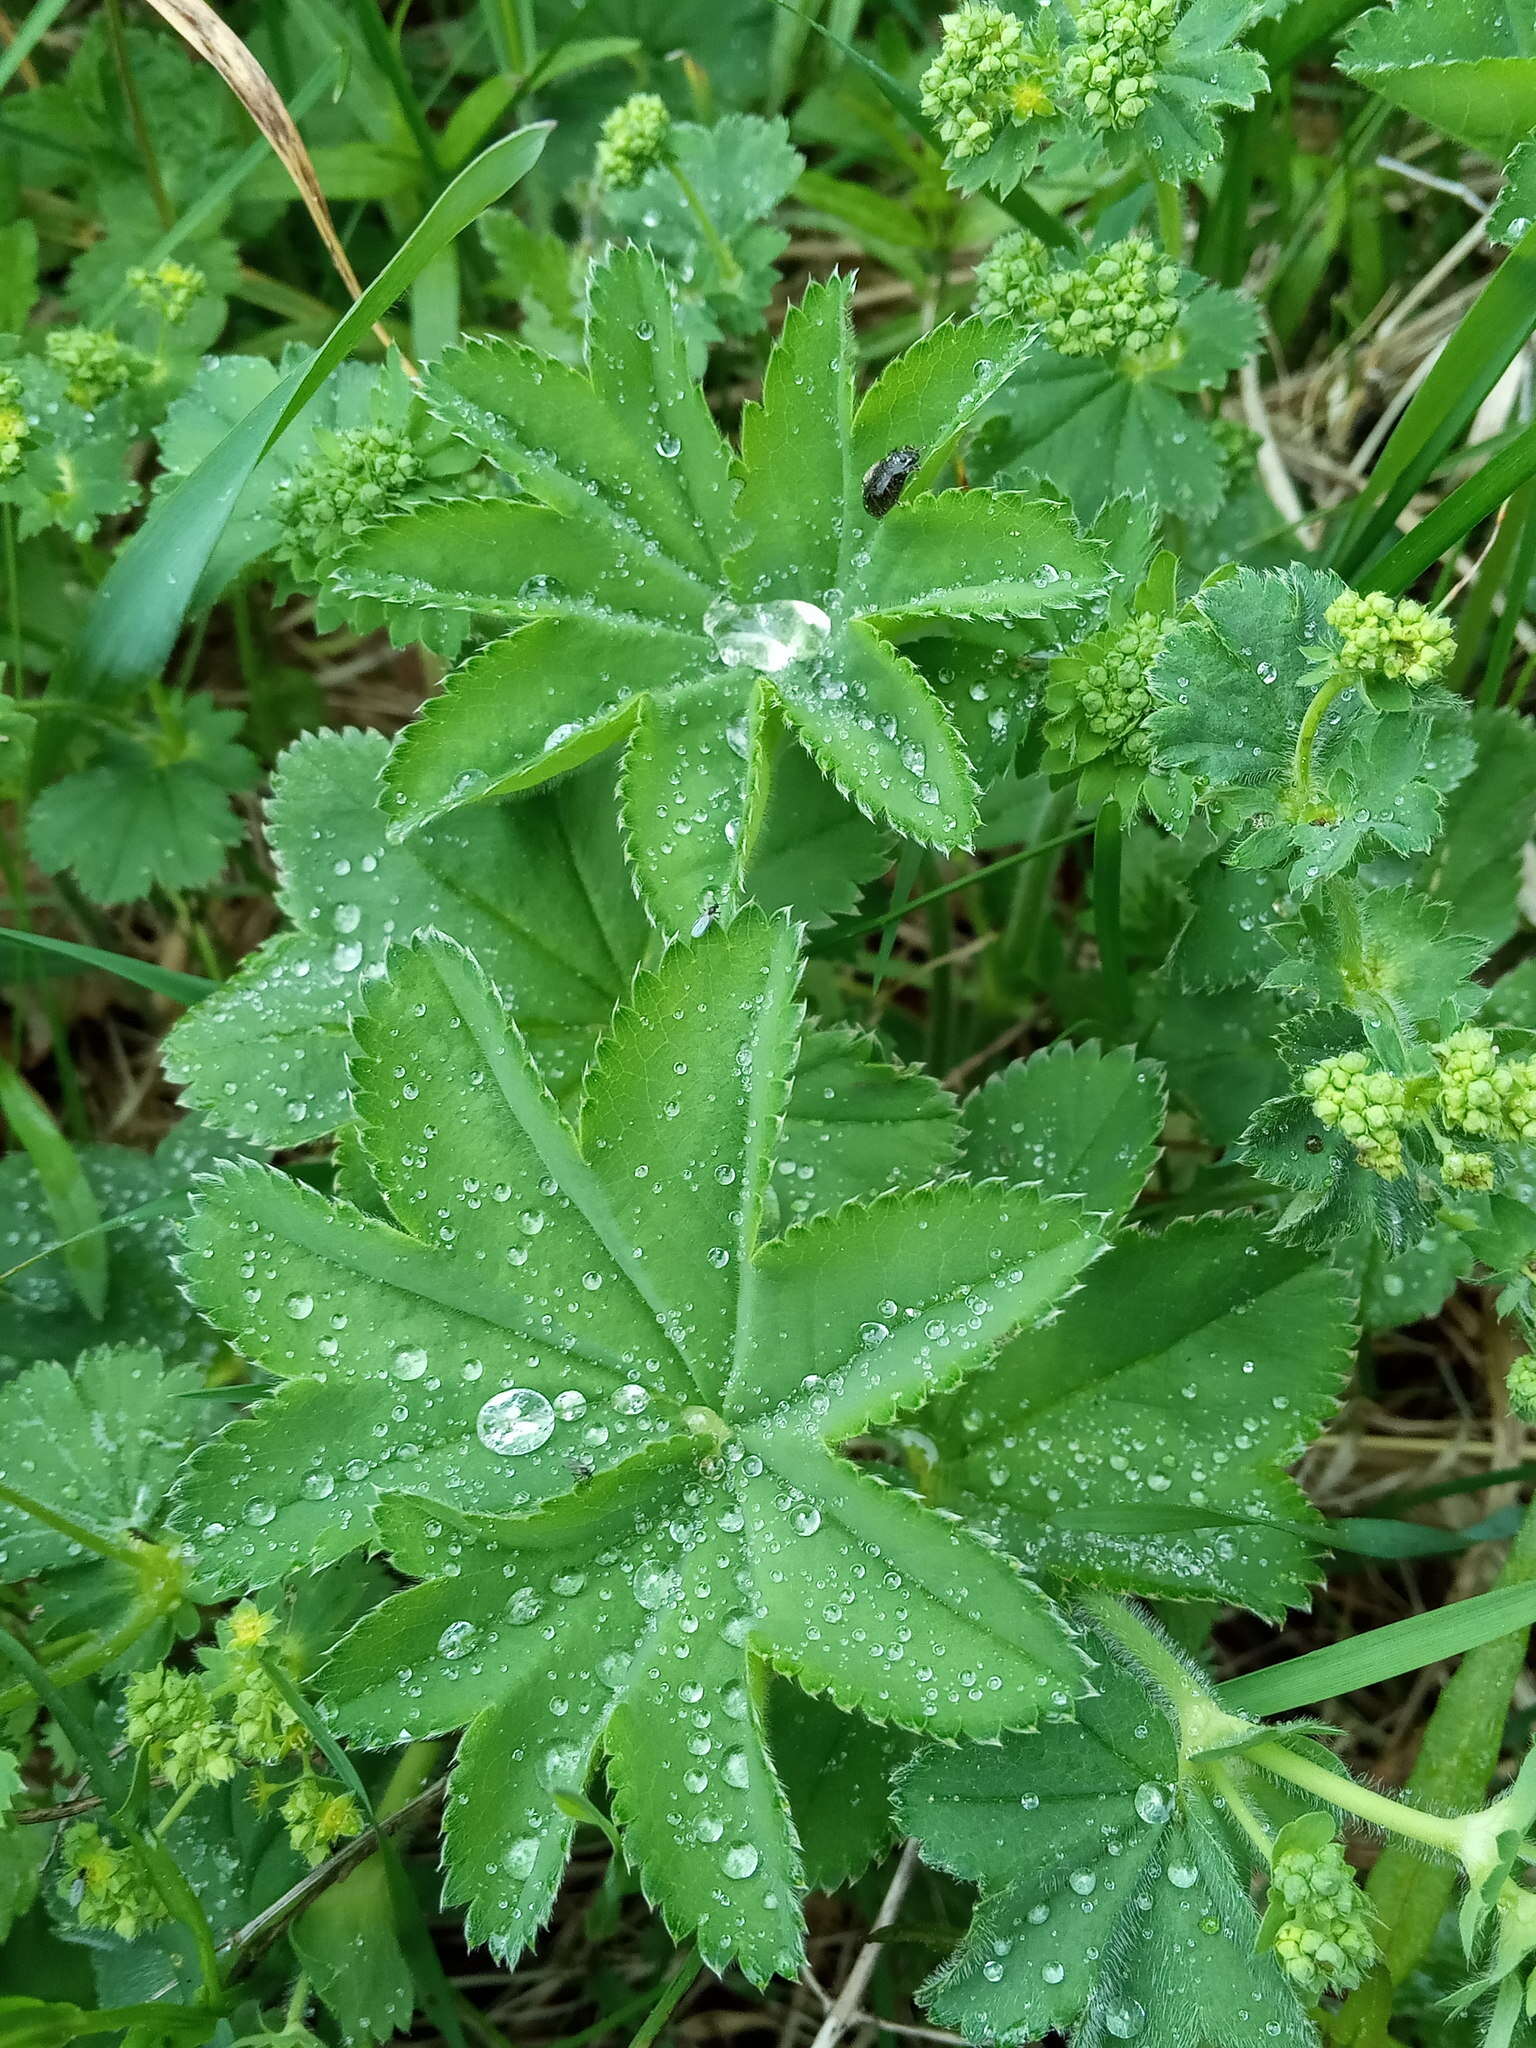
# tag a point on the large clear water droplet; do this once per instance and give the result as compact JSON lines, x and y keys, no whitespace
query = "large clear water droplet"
{"x":767,"y":637}
{"x":514,"y":1422}
{"x":1153,"y":1803}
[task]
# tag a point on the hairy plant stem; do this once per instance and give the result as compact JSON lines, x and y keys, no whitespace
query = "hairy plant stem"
{"x":1108,"y":841}
{"x":1333,"y":686}
{"x":1456,"y":1759}
{"x":730,"y":269}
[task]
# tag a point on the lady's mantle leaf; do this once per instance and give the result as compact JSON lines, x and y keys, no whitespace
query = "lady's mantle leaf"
{"x":1114,"y":1893}
{"x":1141,"y":1439}
{"x":99,"y":1443}
{"x":1080,"y":1121}
{"x":1467,"y":66}
{"x":537,"y":890}
{"x":666,"y":609}
{"x":584,"y":1323}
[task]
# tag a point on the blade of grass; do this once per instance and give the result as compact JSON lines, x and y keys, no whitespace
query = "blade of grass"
{"x":26,"y":39}
{"x":155,"y":580}
{"x":69,"y":1195}
{"x":1454,"y":517}
{"x":1382,"y":1653}
{"x":1491,"y":334}
{"x":160,"y":981}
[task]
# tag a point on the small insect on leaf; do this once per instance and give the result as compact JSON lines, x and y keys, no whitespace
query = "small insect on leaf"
{"x":885,"y":480}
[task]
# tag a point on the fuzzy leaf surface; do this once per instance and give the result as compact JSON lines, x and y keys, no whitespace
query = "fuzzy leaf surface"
{"x":603,"y":1413}
{"x":1141,"y":1439}
{"x":659,"y":603}
{"x":1078,"y":1120}
{"x":99,"y":1443}
{"x":1115,"y":1907}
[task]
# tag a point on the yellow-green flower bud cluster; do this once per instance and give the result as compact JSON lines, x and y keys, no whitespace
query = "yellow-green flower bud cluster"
{"x":1398,"y":638}
{"x":171,"y":1716}
{"x":1112,"y":67}
{"x":320,"y":1814}
{"x":979,"y":80}
{"x":351,"y":478}
{"x":15,"y":427}
{"x":1367,"y":1105}
{"x":107,"y":1883}
{"x":1011,"y":279}
{"x":1326,"y":1943}
{"x":96,"y":365}
{"x":633,"y":141}
{"x":1470,"y":1172}
{"x":1123,"y":301}
{"x":1113,"y":698}
{"x":1520,"y":1385}
{"x":171,"y":289}
{"x":1481,"y":1093}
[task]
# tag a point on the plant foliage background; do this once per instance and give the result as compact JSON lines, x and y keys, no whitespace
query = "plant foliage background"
{"x":769,"y":1051}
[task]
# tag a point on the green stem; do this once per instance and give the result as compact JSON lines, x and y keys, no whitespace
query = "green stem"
{"x":1108,"y":840}
{"x":98,"y":1651}
{"x":129,"y":1553}
{"x":1306,"y":739}
{"x":730,"y":269}
{"x":12,"y":596}
{"x":1241,"y":1809}
{"x":671,"y":1995}
{"x":180,"y":1900}
{"x":1446,"y":1834}
{"x":1456,"y":1759}
{"x":141,"y":134}
{"x":1170,"y":217}
{"x":966,"y":881}
{"x":1026,"y":920}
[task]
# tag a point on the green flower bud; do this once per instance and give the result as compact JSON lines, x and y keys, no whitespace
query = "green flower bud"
{"x":633,"y":141}
{"x":15,"y":427}
{"x":1123,"y":301}
{"x":1520,"y":1385}
{"x":1397,"y":638}
{"x":1472,"y":1172}
{"x":980,"y":79}
{"x":264,"y":1726}
{"x":96,"y":364}
{"x":1011,"y":279}
{"x":1098,"y":695}
{"x":1367,"y":1105}
{"x":1112,"y":67}
{"x":171,"y":1716}
{"x":107,"y":1884}
{"x":349,"y":480}
{"x":171,"y":289}
{"x":1327,"y":1943}
{"x":319,"y":1815}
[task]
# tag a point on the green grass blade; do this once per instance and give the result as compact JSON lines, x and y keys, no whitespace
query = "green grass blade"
{"x":1381,"y":1654}
{"x":1454,"y":517}
{"x":68,"y":1193}
{"x":27,"y":38}
{"x":155,"y":580}
{"x":1493,"y":331}
{"x":73,"y":959}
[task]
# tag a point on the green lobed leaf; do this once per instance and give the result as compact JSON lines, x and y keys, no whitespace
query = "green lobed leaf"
{"x":40,"y":1313}
{"x":1467,"y":66}
{"x":1140,"y":1440}
{"x":1516,"y":207}
{"x":665,"y":612}
{"x":1115,"y":1893}
{"x":1079,"y":1120}
{"x":154,"y":812}
{"x":658,"y":1394}
{"x":837,"y":1770}
{"x":99,"y":1442}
